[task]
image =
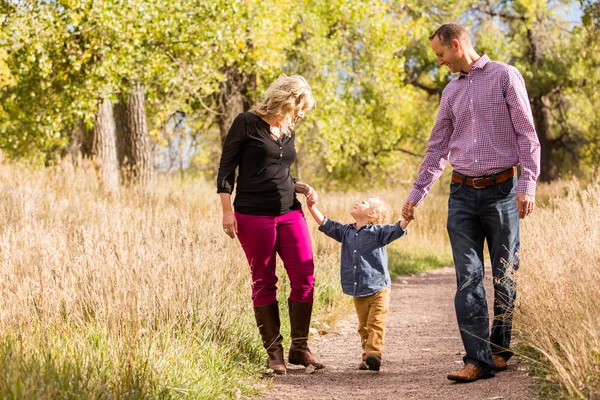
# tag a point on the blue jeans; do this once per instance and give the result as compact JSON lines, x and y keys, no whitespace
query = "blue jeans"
{"x":474,"y":216}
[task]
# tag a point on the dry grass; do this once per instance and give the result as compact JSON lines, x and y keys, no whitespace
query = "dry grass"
{"x":558,"y":312}
{"x":140,"y":295}
{"x":134,"y":296}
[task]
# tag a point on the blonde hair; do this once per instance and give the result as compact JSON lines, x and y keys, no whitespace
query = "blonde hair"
{"x":380,"y":212}
{"x":284,"y":97}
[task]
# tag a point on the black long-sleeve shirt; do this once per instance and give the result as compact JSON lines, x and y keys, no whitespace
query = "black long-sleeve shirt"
{"x":264,"y":184}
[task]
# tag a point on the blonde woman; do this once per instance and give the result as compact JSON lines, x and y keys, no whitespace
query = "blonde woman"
{"x":268,"y":218}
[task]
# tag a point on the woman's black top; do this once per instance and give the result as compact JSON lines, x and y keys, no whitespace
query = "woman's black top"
{"x":264,"y":184}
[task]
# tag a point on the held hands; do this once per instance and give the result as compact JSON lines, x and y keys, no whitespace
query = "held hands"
{"x":408,"y":211}
{"x":229,"y":224}
{"x":408,"y":214}
{"x":312,"y":197}
{"x":525,"y":204}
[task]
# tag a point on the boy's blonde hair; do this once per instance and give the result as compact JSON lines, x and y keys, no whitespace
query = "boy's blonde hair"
{"x":380,"y":212}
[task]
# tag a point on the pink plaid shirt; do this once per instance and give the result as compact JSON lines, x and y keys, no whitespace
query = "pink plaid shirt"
{"x":484,"y":126}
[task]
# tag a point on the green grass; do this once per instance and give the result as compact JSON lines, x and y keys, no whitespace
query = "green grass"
{"x":540,"y":370}
{"x":175,"y":363}
{"x":403,"y":262}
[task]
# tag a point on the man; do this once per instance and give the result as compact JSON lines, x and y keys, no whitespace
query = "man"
{"x":485,"y":129}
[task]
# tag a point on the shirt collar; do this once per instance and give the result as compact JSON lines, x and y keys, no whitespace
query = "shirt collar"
{"x":363,"y":227}
{"x":479,"y":64}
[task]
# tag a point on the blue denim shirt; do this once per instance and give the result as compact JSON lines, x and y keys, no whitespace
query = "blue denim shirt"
{"x":364,"y":269}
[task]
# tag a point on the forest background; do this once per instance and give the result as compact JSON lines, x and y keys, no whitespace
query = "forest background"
{"x":112,"y":118}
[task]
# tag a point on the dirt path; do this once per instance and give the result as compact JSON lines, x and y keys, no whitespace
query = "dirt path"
{"x":422,"y":346}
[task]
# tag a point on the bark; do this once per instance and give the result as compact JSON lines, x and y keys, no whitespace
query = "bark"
{"x":133,"y":139}
{"x":541,"y":118}
{"x":121,"y":129}
{"x":80,"y":143}
{"x":104,"y":152}
{"x":232,"y":98}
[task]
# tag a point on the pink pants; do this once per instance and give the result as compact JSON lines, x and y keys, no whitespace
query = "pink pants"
{"x":261,"y":238}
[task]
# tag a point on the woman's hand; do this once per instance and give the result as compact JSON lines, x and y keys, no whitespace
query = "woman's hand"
{"x":312,"y":197}
{"x":304,"y":188}
{"x":229,"y":224}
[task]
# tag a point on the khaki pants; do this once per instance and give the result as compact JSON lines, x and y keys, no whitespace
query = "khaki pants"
{"x":372,"y":315}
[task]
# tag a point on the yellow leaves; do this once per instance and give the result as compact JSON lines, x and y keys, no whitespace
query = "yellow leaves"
{"x":6,"y":78}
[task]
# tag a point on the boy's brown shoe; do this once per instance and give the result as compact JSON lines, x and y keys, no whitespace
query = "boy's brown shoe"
{"x":363,"y":366}
{"x":469,"y":373}
{"x":500,"y":363}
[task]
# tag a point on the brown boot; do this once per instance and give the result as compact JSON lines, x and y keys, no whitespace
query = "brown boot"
{"x":500,"y":363}
{"x":469,"y":373}
{"x":267,"y":320}
{"x":300,"y":314}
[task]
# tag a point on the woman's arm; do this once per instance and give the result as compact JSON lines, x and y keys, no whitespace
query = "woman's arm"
{"x":229,"y":222}
{"x":230,"y":159}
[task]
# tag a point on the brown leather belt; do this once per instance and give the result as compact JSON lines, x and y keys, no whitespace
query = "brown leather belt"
{"x":485,"y":181}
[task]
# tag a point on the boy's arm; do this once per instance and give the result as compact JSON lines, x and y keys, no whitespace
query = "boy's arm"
{"x":317,"y":215}
{"x":389,"y":233}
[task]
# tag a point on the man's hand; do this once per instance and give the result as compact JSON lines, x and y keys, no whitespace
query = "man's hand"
{"x":408,"y":211}
{"x":525,"y":204}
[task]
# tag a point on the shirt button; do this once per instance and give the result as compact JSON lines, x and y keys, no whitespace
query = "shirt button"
{"x":355,"y":251}
{"x":471,"y":100}
{"x":475,"y":160}
{"x":475,"y":141}
{"x":470,"y":81}
{"x":473,"y":119}
{"x":281,"y":148}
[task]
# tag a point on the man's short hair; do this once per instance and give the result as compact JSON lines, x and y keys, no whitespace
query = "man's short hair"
{"x":450,"y":31}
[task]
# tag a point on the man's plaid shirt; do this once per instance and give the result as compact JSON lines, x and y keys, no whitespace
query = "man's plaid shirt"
{"x":484,"y":126}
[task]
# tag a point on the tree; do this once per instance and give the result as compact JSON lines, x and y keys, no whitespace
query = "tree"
{"x":135,"y":142}
{"x":104,"y":150}
{"x":550,"y":53}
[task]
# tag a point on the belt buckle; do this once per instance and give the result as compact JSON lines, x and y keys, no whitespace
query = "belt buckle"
{"x":475,"y":185}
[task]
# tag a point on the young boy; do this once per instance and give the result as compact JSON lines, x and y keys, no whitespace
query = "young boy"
{"x":364,"y":269}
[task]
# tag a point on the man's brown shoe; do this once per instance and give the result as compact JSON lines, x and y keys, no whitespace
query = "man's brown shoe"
{"x":500,"y":363}
{"x":469,"y":373}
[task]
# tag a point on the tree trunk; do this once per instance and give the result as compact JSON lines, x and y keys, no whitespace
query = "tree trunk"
{"x":80,"y":143}
{"x":541,"y":118}
{"x":120,"y":111}
{"x":104,"y":152}
{"x":133,"y":139}
{"x":232,"y":99}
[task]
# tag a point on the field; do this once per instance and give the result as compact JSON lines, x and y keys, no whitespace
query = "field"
{"x":141,"y":295}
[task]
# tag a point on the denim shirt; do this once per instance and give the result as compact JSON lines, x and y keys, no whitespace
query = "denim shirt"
{"x":364,"y":269}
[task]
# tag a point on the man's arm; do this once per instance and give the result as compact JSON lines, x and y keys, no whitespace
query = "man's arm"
{"x":435,"y":158}
{"x":529,"y":149}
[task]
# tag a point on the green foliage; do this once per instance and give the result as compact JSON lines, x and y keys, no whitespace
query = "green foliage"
{"x":374,"y":76}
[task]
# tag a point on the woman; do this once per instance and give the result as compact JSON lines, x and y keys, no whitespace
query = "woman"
{"x":268,"y":218}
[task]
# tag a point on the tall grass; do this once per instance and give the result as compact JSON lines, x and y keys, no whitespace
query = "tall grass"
{"x":140,"y":294}
{"x":558,"y":311}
